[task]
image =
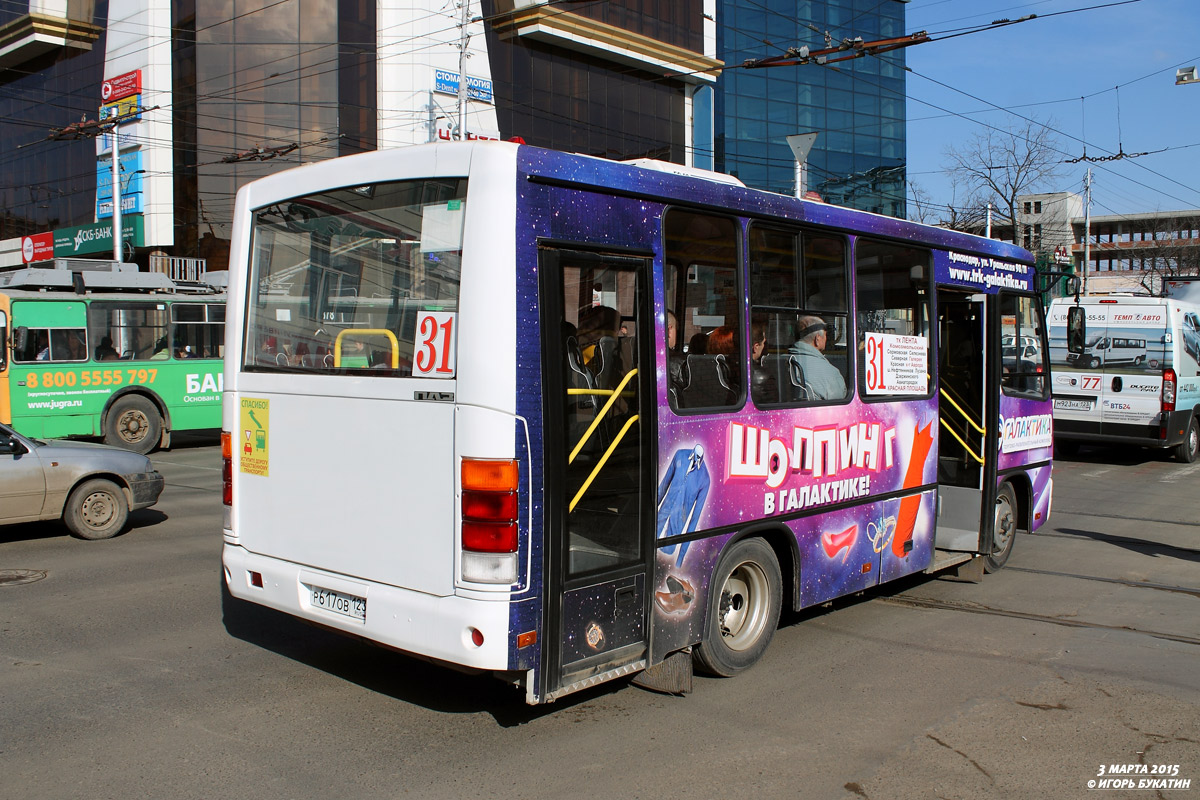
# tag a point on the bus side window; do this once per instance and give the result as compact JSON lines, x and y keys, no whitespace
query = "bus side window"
{"x":892,"y":293}
{"x":702,"y":286}
{"x":798,"y":345}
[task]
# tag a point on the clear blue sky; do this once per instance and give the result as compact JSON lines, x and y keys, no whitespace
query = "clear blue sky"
{"x":1041,"y":69}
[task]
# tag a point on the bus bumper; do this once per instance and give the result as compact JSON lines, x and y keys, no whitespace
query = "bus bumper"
{"x":438,"y":627}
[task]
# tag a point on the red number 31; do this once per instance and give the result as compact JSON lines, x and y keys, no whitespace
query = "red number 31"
{"x":435,"y":356}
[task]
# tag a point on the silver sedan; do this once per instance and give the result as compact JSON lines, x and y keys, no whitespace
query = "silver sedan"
{"x":90,"y":487}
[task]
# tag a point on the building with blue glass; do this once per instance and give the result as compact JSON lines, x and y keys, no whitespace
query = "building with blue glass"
{"x":856,"y":107}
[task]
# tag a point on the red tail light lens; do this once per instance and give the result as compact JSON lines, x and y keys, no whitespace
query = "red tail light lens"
{"x":226,"y":468}
{"x":485,"y":506}
{"x":489,"y":506}
{"x":1168,"y":390}
{"x":489,"y":537}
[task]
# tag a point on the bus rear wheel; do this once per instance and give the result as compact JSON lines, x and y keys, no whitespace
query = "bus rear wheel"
{"x":743,"y":609}
{"x":1004,"y":530}
{"x":133,"y":423}
{"x":1187,"y":450}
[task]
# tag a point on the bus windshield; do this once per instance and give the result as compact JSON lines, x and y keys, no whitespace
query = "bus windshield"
{"x":343,"y":280}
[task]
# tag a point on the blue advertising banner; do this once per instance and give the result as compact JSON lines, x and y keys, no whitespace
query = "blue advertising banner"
{"x":131,"y":175}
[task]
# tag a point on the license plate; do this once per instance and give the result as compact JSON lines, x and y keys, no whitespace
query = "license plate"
{"x":347,"y":605}
{"x":1066,"y":404}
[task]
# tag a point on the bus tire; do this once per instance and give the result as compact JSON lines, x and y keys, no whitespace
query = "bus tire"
{"x":96,"y":509}
{"x":743,"y":609}
{"x":1004,"y":530}
{"x":1187,"y":450}
{"x":133,"y":423}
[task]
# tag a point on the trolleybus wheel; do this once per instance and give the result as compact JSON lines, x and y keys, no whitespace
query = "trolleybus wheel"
{"x":96,"y":509}
{"x":134,"y":424}
{"x":743,"y":609}
{"x":1004,"y":530}
{"x":1187,"y":450}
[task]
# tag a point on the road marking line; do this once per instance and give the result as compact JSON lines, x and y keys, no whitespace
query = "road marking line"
{"x":1181,"y":472}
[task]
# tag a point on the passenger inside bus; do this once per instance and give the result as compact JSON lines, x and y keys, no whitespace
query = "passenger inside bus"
{"x":763,"y":386}
{"x":821,"y":379}
{"x":105,"y":351}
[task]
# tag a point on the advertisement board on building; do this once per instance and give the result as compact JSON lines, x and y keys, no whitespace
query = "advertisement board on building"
{"x":130,"y":204}
{"x":131,"y":106}
{"x":38,"y":247}
{"x":126,"y":85}
{"x":131,"y":175}
{"x":97,"y":237}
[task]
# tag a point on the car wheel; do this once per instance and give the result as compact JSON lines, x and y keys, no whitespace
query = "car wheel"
{"x":1094,"y":362}
{"x":96,"y":509}
{"x":743,"y":609}
{"x":133,"y":423}
{"x":1004,"y":530}
{"x":1187,"y":450}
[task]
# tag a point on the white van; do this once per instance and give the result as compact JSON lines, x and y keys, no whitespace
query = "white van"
{"x":1135,"y":377}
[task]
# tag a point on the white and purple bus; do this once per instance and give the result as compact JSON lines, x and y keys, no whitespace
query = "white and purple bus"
{"x":564,"y":419}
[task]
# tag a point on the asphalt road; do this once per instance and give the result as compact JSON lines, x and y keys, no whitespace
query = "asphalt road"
{"x":122,"y":675}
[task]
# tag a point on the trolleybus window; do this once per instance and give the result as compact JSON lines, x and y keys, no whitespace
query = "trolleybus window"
{"x":358,"y":278}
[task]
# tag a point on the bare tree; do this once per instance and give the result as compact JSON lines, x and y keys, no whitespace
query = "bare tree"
{"x":920,"y":206}
{"x":1000,"y":165}
{"x":968,"y":214}
{"x":1168,"y":249}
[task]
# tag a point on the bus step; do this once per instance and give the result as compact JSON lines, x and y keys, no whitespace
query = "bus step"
{"x":966,"y":567}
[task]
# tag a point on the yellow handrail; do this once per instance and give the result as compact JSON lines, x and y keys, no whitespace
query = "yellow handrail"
{"x":337,"y":343}
{"x":601,"y":462}
{"x":966,"y":446}
{"x":600,"y":414}
{"x":958,"y":408}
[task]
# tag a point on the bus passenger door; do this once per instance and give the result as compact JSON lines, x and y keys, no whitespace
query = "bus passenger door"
{"x":599,"y":404}
{"x":964,"y":458}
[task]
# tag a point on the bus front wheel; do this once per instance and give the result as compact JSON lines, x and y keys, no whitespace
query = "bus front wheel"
{"x":743,"y":609}
{"x":133,"y":423}
{"x":1004,"y":530}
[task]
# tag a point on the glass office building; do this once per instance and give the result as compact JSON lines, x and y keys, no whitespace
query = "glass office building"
{"x":857,"y":110}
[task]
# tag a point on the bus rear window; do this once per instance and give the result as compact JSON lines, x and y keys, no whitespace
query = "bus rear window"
{"x":347,"y":281}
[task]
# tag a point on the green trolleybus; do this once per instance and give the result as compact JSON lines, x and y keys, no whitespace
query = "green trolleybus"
{"x":99,"y":349}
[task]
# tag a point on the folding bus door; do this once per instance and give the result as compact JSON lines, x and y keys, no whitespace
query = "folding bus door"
{"x":964,"y":459}
{"x":599,"y":400}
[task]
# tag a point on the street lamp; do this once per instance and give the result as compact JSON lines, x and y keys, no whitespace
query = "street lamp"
{"x":1186,"y":75}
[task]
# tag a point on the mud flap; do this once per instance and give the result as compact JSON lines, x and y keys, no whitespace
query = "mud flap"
{"x":673,"y":675}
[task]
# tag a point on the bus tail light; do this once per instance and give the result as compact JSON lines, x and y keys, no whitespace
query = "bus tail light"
{"x":1168,"y":392}
{"x":226,"y":468}
{"x":489,"y":521}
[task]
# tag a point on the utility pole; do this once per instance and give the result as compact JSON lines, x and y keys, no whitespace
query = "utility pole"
{"x":1087,"y":227}
{"x":118,"y":239}
{"x":988,"y":230}
{"x":463,"y":38}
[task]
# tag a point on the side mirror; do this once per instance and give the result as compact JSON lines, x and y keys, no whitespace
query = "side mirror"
{"x":1076,"y":329}
{"x":11,"y":446}
{"x":21,"y":339}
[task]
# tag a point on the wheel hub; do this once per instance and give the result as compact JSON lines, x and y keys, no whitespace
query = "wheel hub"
{"x":98,"y":510}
